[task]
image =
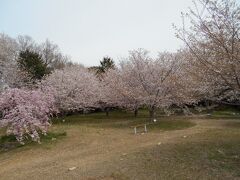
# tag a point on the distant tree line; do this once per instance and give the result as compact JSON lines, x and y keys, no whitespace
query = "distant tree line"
{"x":23,"y":61}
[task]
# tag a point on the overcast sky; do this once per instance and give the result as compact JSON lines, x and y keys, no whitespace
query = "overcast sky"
{"x":87,"y":30}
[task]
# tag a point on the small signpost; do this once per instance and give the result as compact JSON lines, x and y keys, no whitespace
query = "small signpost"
{"x":139,"y":126}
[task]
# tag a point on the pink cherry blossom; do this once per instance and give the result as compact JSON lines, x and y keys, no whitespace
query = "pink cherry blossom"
{"x":26,"y":113}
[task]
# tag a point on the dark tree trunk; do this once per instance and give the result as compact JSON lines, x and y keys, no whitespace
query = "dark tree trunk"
{"x":135,"y":112}
{"x":152,"y":113}
{"x":107,"y":111}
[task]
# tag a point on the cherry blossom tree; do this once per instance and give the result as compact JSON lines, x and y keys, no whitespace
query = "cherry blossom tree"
{"x":9,"y":73}
{"x":75,"y":88}
{"x":26,"y":113}
{"x":121,"y":90}
{"x":213,"y":43}
{"x":141,"y":80}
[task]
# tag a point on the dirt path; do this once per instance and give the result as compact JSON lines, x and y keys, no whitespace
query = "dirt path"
{"x":87,"y":148}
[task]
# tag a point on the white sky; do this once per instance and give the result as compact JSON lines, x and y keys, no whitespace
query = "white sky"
{"x":87,"y":30}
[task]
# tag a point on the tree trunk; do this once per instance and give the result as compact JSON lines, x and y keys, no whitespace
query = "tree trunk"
{"x":107,"y":111}
{"x":152,"y":113}
{"x":207,"y":106}
{"x":135,"y":112}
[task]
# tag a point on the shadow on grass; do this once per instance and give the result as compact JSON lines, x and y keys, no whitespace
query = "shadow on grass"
{"x":228,"y":112}
{"x":100,"y":117}
{"x":123,"y":119}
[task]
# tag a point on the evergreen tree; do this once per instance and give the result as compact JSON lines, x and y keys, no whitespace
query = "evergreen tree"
{"x":32,"y":63}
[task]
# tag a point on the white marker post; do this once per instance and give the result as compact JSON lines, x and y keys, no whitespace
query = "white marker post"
{"x":145,"y":127}
{"x":135,"y":130}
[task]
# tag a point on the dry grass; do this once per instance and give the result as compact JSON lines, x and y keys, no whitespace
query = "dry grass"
{"x":108,"y":150}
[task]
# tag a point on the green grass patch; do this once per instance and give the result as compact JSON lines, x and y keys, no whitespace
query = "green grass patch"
{"x":162,"y":124}
{"x":99,"y":117}
{"x":9,"y":142}
{"x":171,"y":125}
{"x":226,"y":113}
{"x":123,"y":119}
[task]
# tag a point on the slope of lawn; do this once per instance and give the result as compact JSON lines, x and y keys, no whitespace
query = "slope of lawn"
{"x":213,"y":154}
{"x":101,"y":147}
{"x":116,"y":119}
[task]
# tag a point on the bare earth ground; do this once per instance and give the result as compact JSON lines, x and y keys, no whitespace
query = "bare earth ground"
{"x":110,"y":153}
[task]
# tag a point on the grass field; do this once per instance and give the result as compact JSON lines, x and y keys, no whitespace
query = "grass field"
{"x":100,"y":147}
